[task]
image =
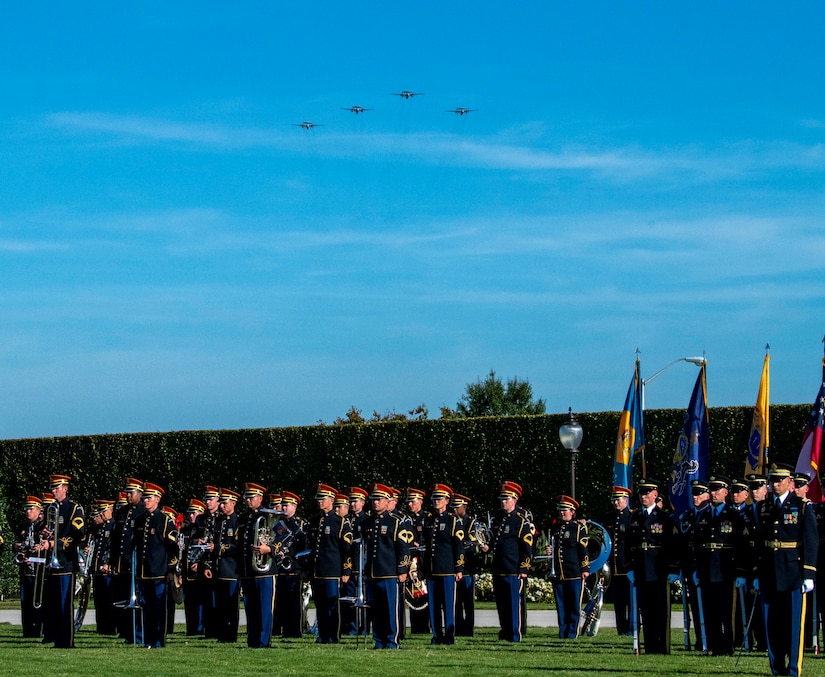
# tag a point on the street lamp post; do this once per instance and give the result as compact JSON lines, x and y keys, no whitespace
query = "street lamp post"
{"x":570,"y":435}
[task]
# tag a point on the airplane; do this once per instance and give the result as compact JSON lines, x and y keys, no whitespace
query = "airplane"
{"x":462,"y":111}
{"x":406,"y":94}
{"x":356,"y":109}
{"x":306,"y":125}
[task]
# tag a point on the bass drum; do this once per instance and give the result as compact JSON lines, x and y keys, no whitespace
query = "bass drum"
{"x":598,"y":545}
{"x":415,"y":589}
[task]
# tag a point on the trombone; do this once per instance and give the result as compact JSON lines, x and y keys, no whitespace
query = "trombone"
{"x":133,"y":602}
{"x":359,"y":601}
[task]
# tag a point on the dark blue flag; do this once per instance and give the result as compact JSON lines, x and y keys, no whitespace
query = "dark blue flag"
{"x":690,"y":461}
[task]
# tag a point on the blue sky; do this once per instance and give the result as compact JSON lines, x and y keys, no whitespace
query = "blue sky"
{"x":175,"y":254}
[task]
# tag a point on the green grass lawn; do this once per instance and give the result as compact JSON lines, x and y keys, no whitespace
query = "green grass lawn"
{"x":541,"y":651}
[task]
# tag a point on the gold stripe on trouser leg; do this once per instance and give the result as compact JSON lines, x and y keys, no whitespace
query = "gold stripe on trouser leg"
{"x":801,"y":648}
{"x":519,"y":614}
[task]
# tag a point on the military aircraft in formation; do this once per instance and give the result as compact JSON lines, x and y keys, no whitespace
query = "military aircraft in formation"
{"x":356,"y":109}
{"x":306,"y":124}
{"x":461,"y":110}
{"x":406,"y":94}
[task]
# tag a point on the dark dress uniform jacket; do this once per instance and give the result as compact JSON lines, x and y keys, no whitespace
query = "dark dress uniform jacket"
{"x":787,"y":543}
{"x":156,"y":540}
{"x":387,"y":539}
{"x":225,"y":562}
{"x":720,"y":543}
{"x":617,"y":524}
{"x":444,"y":543}
{"x":330,"y":537}
{"x":512,"y":544}
{"x":651,"y":540}
{"x":122,"y":535}
{"x":570,"y":553}
{"x":71,"y":527}
{"x":245,"y":538}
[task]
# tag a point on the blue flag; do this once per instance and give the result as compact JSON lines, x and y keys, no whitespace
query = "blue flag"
{"x":690,"y":461}
{"x":631,"y":438}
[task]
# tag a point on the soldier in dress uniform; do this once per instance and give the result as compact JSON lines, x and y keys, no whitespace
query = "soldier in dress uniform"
{"x":224,"y":569}
{"x":174,"y":589}
{"x":99,"y":568}
{"x":687,"y":556}
{"x":721,"y":544}
{"x":571,"y":562}
{"x":442,"y":564}
{"x":289,"y":596}
{"x":758,"y":491}
{"x":742,"y":598}
{"x":156,"y":543}
{"x":512,"y":548}
{"x":27,"y":544}
{"x":386,"y":538}
{"x":465,"y":587}
{"x":256,"y":570}
{"x":616,"y":523}
{"x":129,"y":621}
{"x":330,"y":538}
{"x":419,"y":618}
{"x":651,"y":539}
{"x":205,"y":535}
{"x":787,"y":543}
{"x":63,"y":543}
{"x":192,"y":602}
{"x":357,"y":514}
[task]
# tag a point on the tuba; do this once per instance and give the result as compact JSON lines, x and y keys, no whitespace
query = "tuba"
{"x":262,"y":534}
{"x":83,"y":581}
{"x":598,"y":547}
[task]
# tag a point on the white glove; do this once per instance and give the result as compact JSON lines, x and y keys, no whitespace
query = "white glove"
{"x":807,"y":585}
{"x":741,"y":582}
{"x":756,"y":584}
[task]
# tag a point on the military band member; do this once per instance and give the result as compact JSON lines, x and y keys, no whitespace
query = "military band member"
{"x":419,"y":618}
{"x":465,"y":587}
{"x":28,"y":544}
{"x":720,"y":535}
{"x":99,"y":567}
{"x":156,"y":543}
{"x":289,"y":596}
{"x":192,"y":601}
{"x":386,"y":538}
{"x":63,"y":541}
{"x":205,"y":535}
{"x":340,"y":506}
{"x":617,"y":524}
{"x":129,"y":621}
{"x":257,"y":573}
{"x":786,"y":545}
{"x":571,"y":563}
{"x":330,"y":538}
{"x":651,"y":539}
{"x":443,"y":564}
{"x":357,"y":501}
{"x":512,"y":548}
{"x":225,"y":569}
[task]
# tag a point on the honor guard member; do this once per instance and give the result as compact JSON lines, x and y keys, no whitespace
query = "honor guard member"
{"x":156,"y":545}
{"x":289,"y":596}
{"x":720,"y":535}
{"x":687,"y":556}
{"x":64,"y":530}
{"x":742,"y":597}
{"x":801,"y":482}
{"x":443,"y":564}
{"x":357,"y":500}
{"x":819,"y":596}
{"x":739,"y":494}
{"x":330,"y":538}
{"x":103,"y":586}
{"x":651,"y":539}
{"x":29,"y":554}
{"x":465,"y":587}
{"x":617,"y":524}
{"x":205,"y":536}
{"x":256,"y":568}
{"x":571,"y":564}
{"x":419,"y":618}
{"x":129,"y":621}
{"x":758,"y":492}
{"x":787,"y":547}
{"x":192,"y":603}
{"x":512,"y":557}
{"x":386,"y":538}
{"x":225,"y":569}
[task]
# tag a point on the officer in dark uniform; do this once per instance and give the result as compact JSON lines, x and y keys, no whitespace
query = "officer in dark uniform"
{"x":256,"y":570}
{"x":743,"y":598}
{"x":651,"y":541}
{"x":99,"y":567}
{"x":27,"y":545}
{"x":156,"y":543}
{"x":687,"y":556}
{"x":465,"y":587}
{"x":224,"y":569}
{"x":64,"y":532}
{"x":129,"y":621}
{"x":330,"y":538}
{"x":758,"y":491}
{"x":357,"y":514}
{"x":387,"y":540}
{"x":571,"y":563}
{"x":418,"y":515}
{"x":512,"y":548}
{"x":616,"y":523}
{"x":787,"y":546}
{"x":720,"y":546}
{"x":442,"y":564}
{"x":289,"y":596}
{"x":192,"y":603}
